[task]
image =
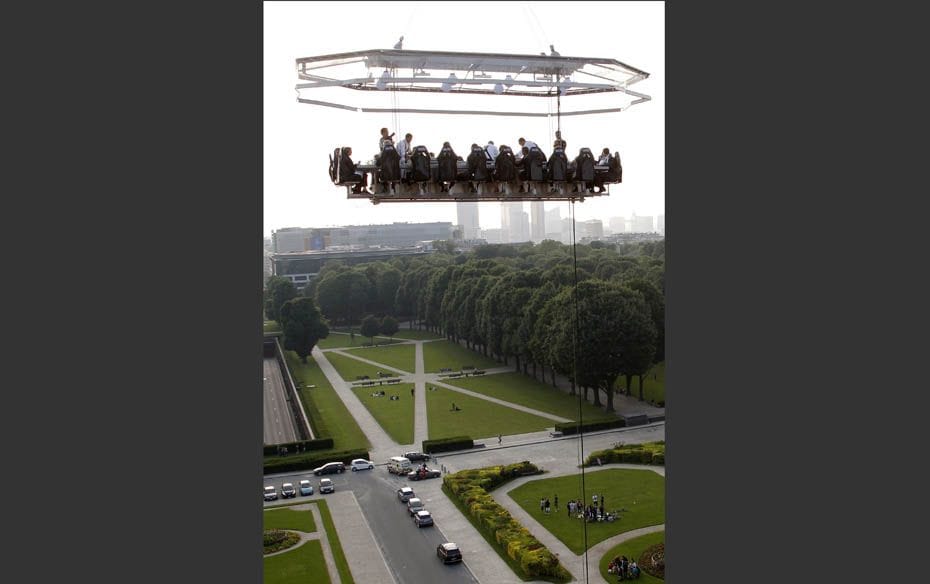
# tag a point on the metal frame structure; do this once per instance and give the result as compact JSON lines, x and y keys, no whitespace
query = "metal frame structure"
{"x":470,"y":74}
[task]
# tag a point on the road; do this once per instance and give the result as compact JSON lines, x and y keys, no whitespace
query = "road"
{"x":408,"y":550}
{"x":278,"y":418}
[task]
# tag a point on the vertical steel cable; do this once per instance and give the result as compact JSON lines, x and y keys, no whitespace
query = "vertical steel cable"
{"x":576,"y":320}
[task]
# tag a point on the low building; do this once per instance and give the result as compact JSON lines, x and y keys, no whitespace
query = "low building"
{"x":301,"y":267}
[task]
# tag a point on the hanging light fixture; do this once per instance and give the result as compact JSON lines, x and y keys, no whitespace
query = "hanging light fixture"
{"x":498,"y":89}
{"x":447,"y":86}
{"x":382,"y":81}
{"x":508,"y":81}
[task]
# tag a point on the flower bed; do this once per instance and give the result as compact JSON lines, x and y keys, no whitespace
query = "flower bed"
{"x":529,"y":558}
{"x":275,"y":540}
{"x":648,"y":453}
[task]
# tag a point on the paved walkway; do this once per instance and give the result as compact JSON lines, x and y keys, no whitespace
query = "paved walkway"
{"x":358,"y":542}
{"x":420,"y":421}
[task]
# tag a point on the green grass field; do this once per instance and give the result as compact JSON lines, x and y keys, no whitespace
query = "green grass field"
{"x":342,"y":565}
{"x":653,"y":388}
{"x":632,"y":549}
{"x":398,"y":356}
{"x":416,"y":335}
{"x":341,"y":341}
{"x":396,"y":417}
{"x":447,"y":354}
{"x":349,"y":368}
{"x":526,"y":391}
{"x":289,"y":519}
{"x":478,"y":418}
{"x":328,"y":415}
{"x":301,"y":564}
{"x":270,"y":326}
{"x":640,"y":492}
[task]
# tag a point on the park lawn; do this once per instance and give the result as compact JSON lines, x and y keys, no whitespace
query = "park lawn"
{"x":328,"y":415}
{"x":270,"y":326}
{"x":342,"y":565}
{"x":526,"y":391}
{"x":401,"y":357}
{"x":632,"y":549}
{"x":289,"y":519}
{"x":653,"y":388}
{"x":448,"y":354}
{"x":342,"y":341}
{"x":304,"y":563}
{"x":396,"y":417}
{"x":478,"y":418}
{"x":640,"y":492}
{"x":416,"y":335}
{"x":350,"y":369}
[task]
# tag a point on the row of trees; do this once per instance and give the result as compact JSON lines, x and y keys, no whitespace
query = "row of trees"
{"x":301,"y":321}
{"x":518,"y":303}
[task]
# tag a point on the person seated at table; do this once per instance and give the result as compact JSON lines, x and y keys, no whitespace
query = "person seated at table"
{"x":348,"y":174}
{"x":385,"y":139}
{"x":447,"y":167}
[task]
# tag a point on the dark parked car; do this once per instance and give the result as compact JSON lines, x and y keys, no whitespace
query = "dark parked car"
{"x":330,"y":468}
{"x":415,"y":456}
{"x":423,"y":518}
{"x":449,"y":553}
{"x":423,"y":473}
{"x":288,"y":491}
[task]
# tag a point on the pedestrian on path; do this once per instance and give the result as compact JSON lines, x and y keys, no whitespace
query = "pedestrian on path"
{"x":500,"y":439}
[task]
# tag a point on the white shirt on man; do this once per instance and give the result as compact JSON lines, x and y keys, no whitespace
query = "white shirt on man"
{"x":403,"y":151}
{"x":492,"y":151}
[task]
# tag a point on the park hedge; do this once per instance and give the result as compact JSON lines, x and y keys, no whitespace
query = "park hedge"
{"x":567,"y":428}
{"x":448,"y":444}
{"x":300,"y":446}
{"x":310,"y":460}
{"x":648,"y":453}
{"x":513,"y":542}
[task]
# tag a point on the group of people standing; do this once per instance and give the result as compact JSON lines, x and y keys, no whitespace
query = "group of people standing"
{"x":545,"y":505}
{"x":624,"y":568}
{"x":592,"y":512}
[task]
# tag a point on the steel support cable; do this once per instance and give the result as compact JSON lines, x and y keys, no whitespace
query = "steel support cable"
{"x":576,"y":321}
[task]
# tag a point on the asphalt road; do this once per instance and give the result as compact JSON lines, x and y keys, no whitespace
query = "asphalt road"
{"x":278,"y":419}
{"x":410,"y":551}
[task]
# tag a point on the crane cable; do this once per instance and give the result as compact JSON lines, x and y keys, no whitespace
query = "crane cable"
{"x":575,"y":323}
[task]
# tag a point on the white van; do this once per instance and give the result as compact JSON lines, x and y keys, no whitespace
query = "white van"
{"x":399,"y":465}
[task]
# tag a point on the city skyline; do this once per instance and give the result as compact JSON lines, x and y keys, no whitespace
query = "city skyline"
{"x":298,"y":137}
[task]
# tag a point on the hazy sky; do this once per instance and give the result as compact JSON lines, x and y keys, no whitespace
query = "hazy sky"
{"x":298,"y":137}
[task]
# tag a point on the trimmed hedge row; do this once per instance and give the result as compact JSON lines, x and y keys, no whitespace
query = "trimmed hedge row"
{"x":310,"y":460}
{"x":574,"y":428}
{"x":448,"y":444}
{"x":303,"y":445}
{"x":526,"y":554}
{"x":648,"y":453}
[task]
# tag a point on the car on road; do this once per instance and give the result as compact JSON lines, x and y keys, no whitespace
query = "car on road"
{"x":423,"y":518}
{"x":405,"y":494}
{"x":270,"y":493}
{"x":414,"y":505}
{"x":305,"y":488}
{"x":423,"y":473}
{"x":326,"y":486}
{"x":415,"y":456}
{"x":288,"y":490}
{"x":449,"y":553}
{"x":362,"y":464}
{"x":330,"y":468}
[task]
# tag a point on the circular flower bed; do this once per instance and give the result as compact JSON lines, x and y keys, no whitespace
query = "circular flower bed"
{"x":276,"y":540}
{"x":652,"y":561}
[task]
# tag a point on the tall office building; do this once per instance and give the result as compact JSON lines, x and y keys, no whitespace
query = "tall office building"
{"x":643,"y":224}
{"x":467,"y":216}
{"x":537,"y":221}
{"x":511,"y":222}
{"x":617,"y":225}
{"x":660,"y":224}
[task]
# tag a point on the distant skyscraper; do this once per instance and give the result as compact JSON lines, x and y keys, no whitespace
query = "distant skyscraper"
{"x":617,"y":225}
{"x":644,"y":224}
{"x":537,"y":221}
{"x":592,"y":228}
{"x":511,"y":222}
{"x":524,"y":227}
{"x":467,"y":215}
{"x":554,"y":223}
{"x":660,"y":224}
{"x":492,"y":235}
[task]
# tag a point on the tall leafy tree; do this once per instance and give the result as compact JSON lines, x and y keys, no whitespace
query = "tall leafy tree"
{"x":278,"y":291}
{"x":303,"y":326}
{"x":370,"y":327}
{"x":389,"y":326}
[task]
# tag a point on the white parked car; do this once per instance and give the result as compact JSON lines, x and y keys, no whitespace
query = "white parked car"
{"x":405,"y":494}
{"x":362,"y":464}
{"x":270,"y":493}
{"x":326,"y":486}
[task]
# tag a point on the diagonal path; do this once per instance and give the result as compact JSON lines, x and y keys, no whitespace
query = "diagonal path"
{"x":420,"y":422}
{"x":381,"y":443}
{"x":369,"y":361}
{"x":508,"y":404}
